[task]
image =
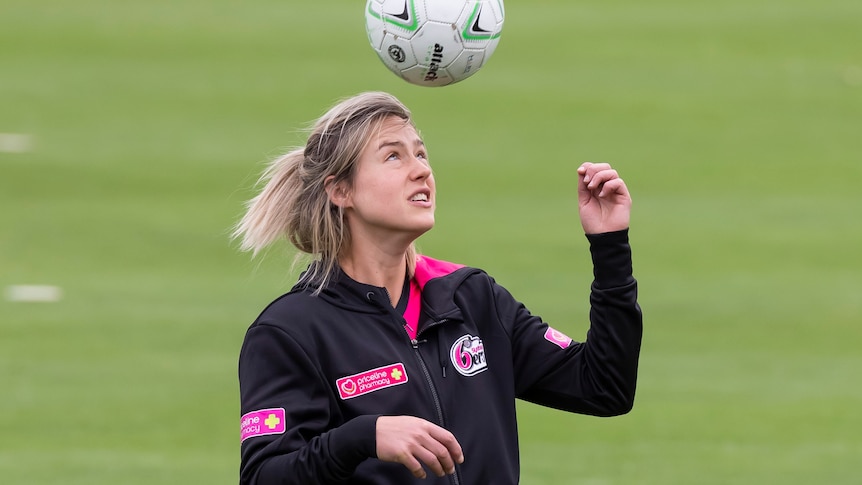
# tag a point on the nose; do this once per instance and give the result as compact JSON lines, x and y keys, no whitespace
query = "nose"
{"x":421,"y":169}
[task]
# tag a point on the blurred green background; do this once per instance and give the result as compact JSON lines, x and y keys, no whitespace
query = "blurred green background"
{"x":736,"y":125}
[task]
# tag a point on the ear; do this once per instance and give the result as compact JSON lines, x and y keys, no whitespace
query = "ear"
{"x":337,"y":192}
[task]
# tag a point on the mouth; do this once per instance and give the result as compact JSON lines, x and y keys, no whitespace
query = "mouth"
{"x":421,"y":196}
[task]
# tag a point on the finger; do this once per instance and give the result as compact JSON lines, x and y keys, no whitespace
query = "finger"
{"x":441,"y":450}
{"x":412,"y":464}
{"x":448,"y":440}
{"x":587,"y":166}
{"x":589,"y":169}
{"x":431,"y":460}
{"x":615,"y":186}
{"x":442,"y":456}
{"x":601,"y":177}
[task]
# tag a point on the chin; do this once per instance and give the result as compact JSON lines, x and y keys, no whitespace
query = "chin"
{"x":424,"y":227}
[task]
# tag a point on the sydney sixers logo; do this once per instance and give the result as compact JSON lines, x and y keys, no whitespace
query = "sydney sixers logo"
{"x":468,"y":355}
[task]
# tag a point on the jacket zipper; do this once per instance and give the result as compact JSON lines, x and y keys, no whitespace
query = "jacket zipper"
{"x":415,"y":343}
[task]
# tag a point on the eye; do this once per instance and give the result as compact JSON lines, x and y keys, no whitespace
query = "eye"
{"x":422,"y":156}
{"x":392,"y":156}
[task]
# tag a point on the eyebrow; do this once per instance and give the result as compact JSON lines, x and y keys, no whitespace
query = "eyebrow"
{"x":385,"y":144}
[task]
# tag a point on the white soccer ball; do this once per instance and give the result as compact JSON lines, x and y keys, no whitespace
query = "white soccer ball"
{"x":434,"y":42}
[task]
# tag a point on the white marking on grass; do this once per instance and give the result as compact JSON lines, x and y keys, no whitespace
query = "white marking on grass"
{"x":15,"y":142}
{"x":34,"y":293}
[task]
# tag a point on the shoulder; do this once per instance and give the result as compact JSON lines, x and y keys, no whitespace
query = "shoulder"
{"x":442,"y":282}
{"x":288,"y":311}
{"x":428,"y":269}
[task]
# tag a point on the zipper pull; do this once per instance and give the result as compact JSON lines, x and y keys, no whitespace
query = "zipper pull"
{"x":414,"y":343}
{"x":442,"y":355}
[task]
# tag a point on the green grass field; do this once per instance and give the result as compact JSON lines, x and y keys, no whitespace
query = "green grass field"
{"x":736,"y":124}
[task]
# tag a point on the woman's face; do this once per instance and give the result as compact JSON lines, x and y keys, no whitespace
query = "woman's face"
{"x":393,"y":193}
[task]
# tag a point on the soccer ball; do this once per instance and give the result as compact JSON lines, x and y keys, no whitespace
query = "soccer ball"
{"x":434,"y":42}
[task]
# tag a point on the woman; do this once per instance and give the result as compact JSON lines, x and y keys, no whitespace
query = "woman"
{"x":382,"y":365}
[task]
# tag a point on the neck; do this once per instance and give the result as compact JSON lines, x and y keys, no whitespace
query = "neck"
{"x":377,"y":257}
{"x":384,"y":270}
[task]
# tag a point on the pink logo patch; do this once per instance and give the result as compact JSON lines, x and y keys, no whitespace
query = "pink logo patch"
{"x":371,"y":380}
{"x":557,"y":338}
{"x":261,"y":423}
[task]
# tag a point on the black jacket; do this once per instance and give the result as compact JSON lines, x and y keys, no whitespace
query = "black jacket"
{"x":315,"y":372}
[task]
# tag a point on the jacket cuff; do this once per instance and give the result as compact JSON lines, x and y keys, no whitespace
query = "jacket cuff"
{"x":356,"y":441}
{"x":612,"y":259}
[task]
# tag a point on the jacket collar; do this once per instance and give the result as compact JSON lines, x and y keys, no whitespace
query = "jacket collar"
{"x":437,"y":279}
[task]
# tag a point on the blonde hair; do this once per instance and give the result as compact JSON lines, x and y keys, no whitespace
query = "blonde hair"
{"x":293,"y":202}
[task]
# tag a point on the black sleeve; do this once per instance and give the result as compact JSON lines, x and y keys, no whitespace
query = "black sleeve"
{"x":275,"y":372}
{"x":597,"y":376}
